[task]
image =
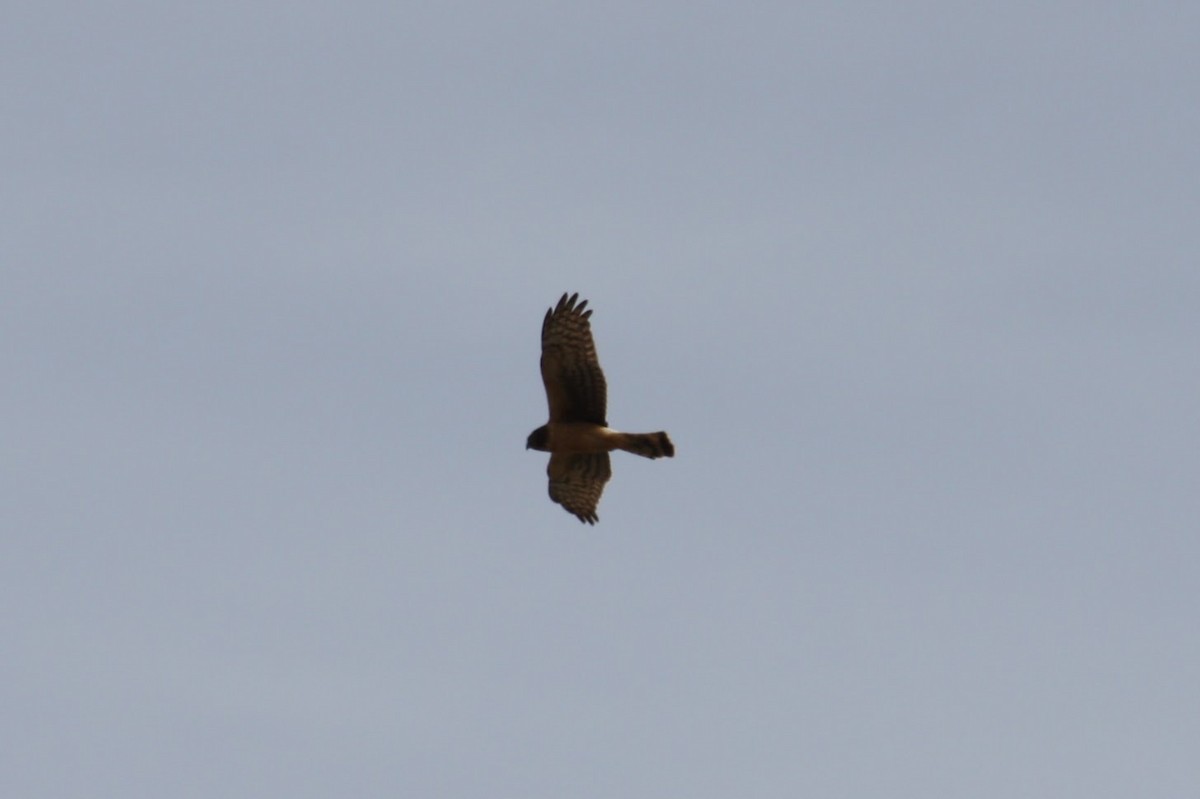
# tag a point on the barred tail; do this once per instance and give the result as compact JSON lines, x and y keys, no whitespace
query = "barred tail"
{"x":648,"y":445}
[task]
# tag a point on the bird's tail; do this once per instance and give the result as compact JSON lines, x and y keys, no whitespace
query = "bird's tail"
{"x":648,"y":445}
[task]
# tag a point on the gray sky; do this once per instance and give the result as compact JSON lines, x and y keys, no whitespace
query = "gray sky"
{"x":914,"y":288}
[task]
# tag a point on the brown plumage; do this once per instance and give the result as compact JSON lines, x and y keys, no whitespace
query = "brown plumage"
{"x":577,"y":436}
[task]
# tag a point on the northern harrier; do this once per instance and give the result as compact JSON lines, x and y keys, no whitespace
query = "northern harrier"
{"x":577,"y":436}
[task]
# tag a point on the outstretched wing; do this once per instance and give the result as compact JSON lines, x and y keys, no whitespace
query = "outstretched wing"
{"x":575,"y":387}
{"x":576,"y":482}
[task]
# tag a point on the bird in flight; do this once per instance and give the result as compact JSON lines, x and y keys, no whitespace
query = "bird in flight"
{"x":577,"y":436}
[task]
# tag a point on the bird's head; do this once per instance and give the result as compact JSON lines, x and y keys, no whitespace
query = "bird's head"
{"x":539,"y":439}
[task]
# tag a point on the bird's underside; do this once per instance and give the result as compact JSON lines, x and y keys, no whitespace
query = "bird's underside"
{"x":580,"y":437}
{"x":577,"y":436}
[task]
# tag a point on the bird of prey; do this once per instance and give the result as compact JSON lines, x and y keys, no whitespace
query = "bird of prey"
{"x":577,"y":436}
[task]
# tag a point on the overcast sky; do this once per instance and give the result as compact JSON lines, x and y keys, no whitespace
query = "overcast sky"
{"x":914,"y":287}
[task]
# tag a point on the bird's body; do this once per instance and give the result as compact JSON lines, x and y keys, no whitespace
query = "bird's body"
{"x":577,"y":436}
